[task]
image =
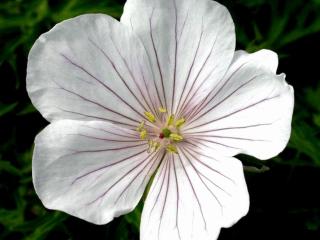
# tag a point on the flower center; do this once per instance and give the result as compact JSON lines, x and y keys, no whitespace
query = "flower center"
{"x":164,"y":132}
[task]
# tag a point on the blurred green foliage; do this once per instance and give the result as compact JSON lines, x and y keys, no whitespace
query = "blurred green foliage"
{"x":284,"y":199}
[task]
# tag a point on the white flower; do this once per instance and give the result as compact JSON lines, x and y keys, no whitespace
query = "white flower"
{"x":162,"y":91}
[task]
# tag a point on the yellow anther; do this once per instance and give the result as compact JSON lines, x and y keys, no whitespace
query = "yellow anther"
{"x":172,"y":148}
{"x":180,"y":122}
{"x":150,"y":116}
{"x":162,"y":110}
{"x":140,"y":127}
{"x":143,"y":134}
{"x":176,"y":137}
{"x":153,"y":146}
{"x":156,"y":146}
{"x":170,"y":120}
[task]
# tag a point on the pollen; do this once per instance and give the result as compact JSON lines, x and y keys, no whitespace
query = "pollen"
{"x":180,"y":122}
{"x":162,"y":110}
{"x":153,"y":146}
{"x":172,"y":148}
{"x":162,"y":131}
{"x":176,"y":137}
{"x":140,"y":127}
{"x":170,"y":120}
{"x":143,"y":134}
{"x":150,"y":117}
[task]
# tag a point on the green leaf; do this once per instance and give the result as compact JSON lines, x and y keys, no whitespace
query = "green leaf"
{"x":7,"y":108}
{"x":8,"y":167}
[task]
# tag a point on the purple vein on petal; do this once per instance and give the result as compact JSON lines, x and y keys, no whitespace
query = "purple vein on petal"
{"x":105,"y":166}
{"x":194,"y":192}
{"x":106,"y":139}
{"x":157,"y":58}
{"x":185,"y":103}
{"x":154,"y":108}
{"x":224,"y":99}
{"x":175,"y":54}
{"x":151,"y":162}
{"x":119,"y":180}
{"x":178,"y":199}
{"x":166,"y":195}
{"x":201,"y":141}
{"x":201,"y":179}
{"x":165,"y":167}
{"x":117,"y":71}
{"x":191,"y":68}
{"x":205,"y":138}
{"x":97,"y":117}
{"x":192,"y":148}
{"x":206,"y":100}
{"x":126,"y":133}
{"x":232,"y":113}
{"x":183,"y":25}
{"x":231,"y":128}
{"x":100,"y":82}
{"x":75,"y":152}
{"x":93,"y":102}
{"x":207,"y":166}
{"x":132,"y":76}
{"x":154,"y":162}
{"x":152,"y":70}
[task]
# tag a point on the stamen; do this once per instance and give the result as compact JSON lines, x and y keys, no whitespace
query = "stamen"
{"x":140,"y":127}
{"x":180,"y":122}
{"x":172,"y":148}
{"x":143,"y":134}
{"x":150,"y":116}
{"x":170,"y":120}
{"x":176,"y":137}
{"x":162,"y":110}
{"x":165,"y":135}
{"x":153,"y":146}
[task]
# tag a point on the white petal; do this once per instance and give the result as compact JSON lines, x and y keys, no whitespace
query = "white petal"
{"x":264,"y":58}
{"x":90,"y":68}
{"x":93,"y":170}
{"x":193,"y":196}
{"x":249,"y":112}
{"x":190,"y":44}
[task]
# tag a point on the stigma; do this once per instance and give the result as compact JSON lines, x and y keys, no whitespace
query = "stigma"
{"x":163,"y":132}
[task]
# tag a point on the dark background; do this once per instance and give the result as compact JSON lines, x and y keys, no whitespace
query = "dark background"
{"x":285,"y":202}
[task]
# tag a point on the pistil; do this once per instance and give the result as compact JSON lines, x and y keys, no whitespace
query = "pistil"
{"x":168,"y":133}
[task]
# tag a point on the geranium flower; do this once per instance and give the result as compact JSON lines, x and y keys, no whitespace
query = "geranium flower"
{"x":161,"y":92}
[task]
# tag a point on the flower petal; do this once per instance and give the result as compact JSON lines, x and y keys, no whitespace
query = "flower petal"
{"x":193,"y":195}
{"x":93,"y":170}
{"x":90,"y":68}
{"x":190,"y":44}
{"x":249,"y":112}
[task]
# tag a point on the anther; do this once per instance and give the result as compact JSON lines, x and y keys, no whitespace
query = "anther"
{"x":176,"y":137}
{"x":162,"y":110}
{"x":140,"y":127}
{"x":172,"y":148}
{"x":170,"y":120}
{"x":150,"y":116}
{"x":143,"y":134}
{"x":180,"y":122}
